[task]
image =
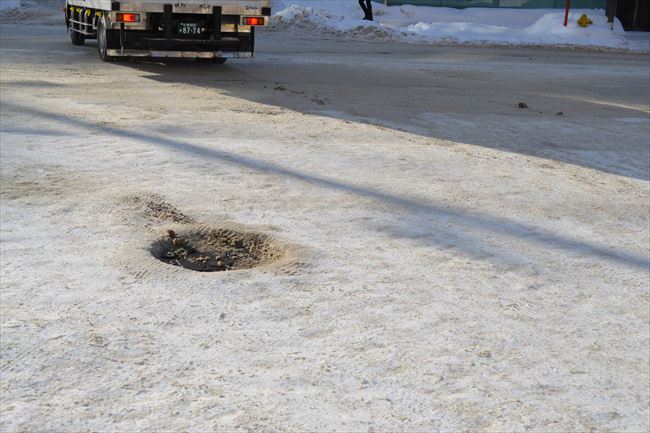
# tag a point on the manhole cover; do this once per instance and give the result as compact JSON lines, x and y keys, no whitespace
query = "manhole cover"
{"x":214,"y":250}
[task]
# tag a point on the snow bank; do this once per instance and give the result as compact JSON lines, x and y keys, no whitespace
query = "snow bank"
{"x":420,"y":24}
{"x":327,"y":23}
{"x":548,"y":29}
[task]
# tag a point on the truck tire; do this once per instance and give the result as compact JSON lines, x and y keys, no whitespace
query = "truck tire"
{"x":76,"y":37}
{"x":102,"y":41}
{"x":219,"y":60}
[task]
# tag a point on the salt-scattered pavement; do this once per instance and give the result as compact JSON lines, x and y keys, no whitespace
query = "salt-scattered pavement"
{"x":457,"y":263}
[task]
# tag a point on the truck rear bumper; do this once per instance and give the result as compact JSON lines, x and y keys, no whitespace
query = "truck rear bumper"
{"x":140,"y":43}
{"x":178,"y":54}
{"x":229,"y":44}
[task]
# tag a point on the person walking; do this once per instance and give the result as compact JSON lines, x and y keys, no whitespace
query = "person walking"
{"x":366,"y":5}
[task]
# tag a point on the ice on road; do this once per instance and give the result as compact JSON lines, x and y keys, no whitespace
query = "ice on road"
{"x":458,"y":263}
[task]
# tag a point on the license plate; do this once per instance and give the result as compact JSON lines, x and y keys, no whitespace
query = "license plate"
{"x":188,"y":28}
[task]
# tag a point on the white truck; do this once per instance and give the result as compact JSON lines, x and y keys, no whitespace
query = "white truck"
{"x":208,"y":30}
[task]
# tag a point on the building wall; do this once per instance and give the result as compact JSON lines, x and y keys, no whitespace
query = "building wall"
{"x":634,"y":14}
{"x":530,"y":4}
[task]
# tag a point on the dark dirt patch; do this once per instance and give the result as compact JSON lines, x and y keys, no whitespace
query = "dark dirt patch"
{"x":153,"y":206}
{"x":214,"y":250}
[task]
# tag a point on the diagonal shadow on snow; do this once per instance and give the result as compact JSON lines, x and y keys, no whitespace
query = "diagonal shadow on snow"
{"x":490,"y":224}
{"x":459,"y":104}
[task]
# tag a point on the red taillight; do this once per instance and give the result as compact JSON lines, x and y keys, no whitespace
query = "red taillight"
{"x":253,"y":21}
{"x":127,"y":18}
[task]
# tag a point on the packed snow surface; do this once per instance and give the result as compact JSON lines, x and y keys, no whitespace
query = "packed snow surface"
{"x":31,"y":11}
{"x":462,"y":264}
{"x":9,"y":4}
{"x":421,"y":24}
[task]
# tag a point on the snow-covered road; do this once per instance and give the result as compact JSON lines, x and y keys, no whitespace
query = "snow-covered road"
{"x":458,"y":263}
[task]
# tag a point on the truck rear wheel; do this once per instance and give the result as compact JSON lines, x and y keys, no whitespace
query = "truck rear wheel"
{"x":76,"y":37}
{"x":102,"y":41}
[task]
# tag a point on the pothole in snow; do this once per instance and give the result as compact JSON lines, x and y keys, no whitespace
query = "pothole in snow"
{"x":206,"y":249}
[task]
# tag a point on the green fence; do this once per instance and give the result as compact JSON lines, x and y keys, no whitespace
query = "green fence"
{"x":525,"y":4}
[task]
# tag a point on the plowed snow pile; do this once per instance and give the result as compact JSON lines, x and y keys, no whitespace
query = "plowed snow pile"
{"x":429,"y":25}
